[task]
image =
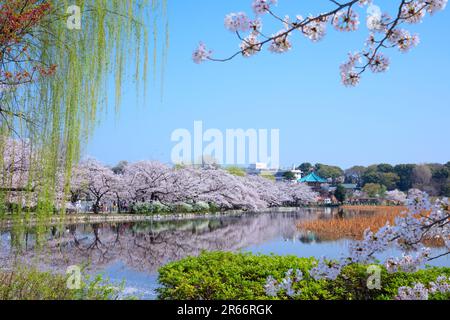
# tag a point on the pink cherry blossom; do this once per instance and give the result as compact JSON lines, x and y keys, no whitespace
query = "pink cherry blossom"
{"x":414,"y":11}
{"x":237,"y":22}
{"x":280,"y":43}
{"x":380,"y":63}
{"x":346,"y":20}
{"x":201,"y":54}
{"x":262,"y":6}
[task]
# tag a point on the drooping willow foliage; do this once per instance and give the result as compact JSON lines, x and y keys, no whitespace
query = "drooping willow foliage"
{"x":55,"y":82}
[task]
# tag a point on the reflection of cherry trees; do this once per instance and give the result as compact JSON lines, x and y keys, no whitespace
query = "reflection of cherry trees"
{"x":147,"y":246}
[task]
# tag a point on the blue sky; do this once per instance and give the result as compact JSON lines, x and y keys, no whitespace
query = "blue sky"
{"x":398,"y":117}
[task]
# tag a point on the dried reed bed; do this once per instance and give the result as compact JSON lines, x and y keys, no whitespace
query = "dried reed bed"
{"x":396,"y":209}
{"x":354,"y":222}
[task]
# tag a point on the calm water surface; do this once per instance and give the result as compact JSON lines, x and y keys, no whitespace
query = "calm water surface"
{"x":133,"y":252}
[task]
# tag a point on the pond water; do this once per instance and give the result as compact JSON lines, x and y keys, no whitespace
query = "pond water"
{"x":133,"y":251}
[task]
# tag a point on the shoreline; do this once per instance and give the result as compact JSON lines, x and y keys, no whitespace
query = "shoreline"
{"x":87,"y":218}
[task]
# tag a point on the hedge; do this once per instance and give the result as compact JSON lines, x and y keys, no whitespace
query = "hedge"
{"x":242,"y":276}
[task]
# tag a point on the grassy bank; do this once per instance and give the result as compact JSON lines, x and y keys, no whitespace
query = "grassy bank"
{"x":228,"y":276}
{"x":31,"y":284}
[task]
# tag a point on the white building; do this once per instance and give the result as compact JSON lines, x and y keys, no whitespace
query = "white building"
{"x":262,"y":169}
{"x":258,"y":166}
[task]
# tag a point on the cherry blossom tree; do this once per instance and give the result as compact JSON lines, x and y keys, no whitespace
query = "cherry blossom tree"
{"x":18,"y":172}
{"x":21,"y":174}
{"x":146,"y":180}
{"x":15,"y":164}
{"x":396,"y":195}
{"x":299,"y":193}
{"x":149,"y":181}
{"x":229,"y":191}
{"x":95,"y":181}
{"x":213,"y":185}
{"x":185,"y":185}
{"x":268,"y":191}
{"x":52,"y":74}
{"x":387,"y":30}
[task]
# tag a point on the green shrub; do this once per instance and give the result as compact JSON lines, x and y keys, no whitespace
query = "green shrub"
{"x":151,"y":208}
{"x":197,"y":207}
{"x":221,"y":275}
{"x":236,"y":171}
{"x":228,"y":276}
{"x":200,"y":207}
{"x":31,"y":284}
{"x":141,"y":208}
{"x":182,"y":208}
{"x":157,"y":207}
{"x":213,"y":207}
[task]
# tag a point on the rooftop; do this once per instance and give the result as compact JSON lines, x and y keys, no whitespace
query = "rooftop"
{"x":313,"y":178}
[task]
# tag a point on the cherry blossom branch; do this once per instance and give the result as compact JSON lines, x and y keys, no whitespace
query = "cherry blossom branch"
{"x":295,"y":26}
{"x":344,"y":18}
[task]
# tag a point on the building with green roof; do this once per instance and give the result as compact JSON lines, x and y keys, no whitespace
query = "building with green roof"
{"x":313,"y":179}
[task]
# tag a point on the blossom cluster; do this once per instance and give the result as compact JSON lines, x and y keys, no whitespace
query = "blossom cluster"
{"x":407,"y":263}
{"x":326,"y":269}
{"x":273,"y":288}
{"x":396,"y":195}
{"x":385,"y":32}
{"x":419,"y":291}
{"x":201,"y":54}
{"x":237,"y":22}
{"x":346,"y":20}
{"x":262,"y":6}
{"x":422,"y":292}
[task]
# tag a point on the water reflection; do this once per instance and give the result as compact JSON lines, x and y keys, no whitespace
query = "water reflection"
{"x":143,"y":246}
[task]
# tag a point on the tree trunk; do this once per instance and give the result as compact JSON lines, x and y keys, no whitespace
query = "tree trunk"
{"x":96,"y":207}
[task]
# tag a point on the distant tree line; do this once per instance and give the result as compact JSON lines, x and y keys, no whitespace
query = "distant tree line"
{"x":433,"y":178}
